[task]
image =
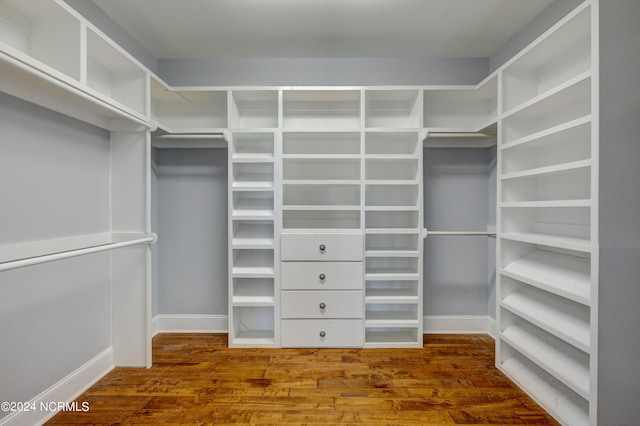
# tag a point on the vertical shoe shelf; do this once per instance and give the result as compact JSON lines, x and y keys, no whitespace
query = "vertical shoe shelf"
{"x":253,"y":117}
{"x":393,"y":218}
{"x":547,"y":221}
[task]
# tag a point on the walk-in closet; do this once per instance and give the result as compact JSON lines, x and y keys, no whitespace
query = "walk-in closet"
{"x":429,"y":168}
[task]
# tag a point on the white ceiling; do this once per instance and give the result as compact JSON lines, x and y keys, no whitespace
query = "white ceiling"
{"x":207,"y":29}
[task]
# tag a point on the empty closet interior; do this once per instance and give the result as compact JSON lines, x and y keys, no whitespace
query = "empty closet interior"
{"x":362,"y":204}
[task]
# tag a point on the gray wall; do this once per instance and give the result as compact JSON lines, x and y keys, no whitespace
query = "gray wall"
{"x":456,"y":198}
{"x":619,"y":292}
{"x":54,"y":182}
{"x":323,"y":72}
{"x":97,"y":17}
{"x":192,"y":231}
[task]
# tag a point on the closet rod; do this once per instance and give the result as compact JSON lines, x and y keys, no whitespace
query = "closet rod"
{"x":428,"y":233}
{"x":21,"y":263}
{"x":462,"y":135}
{"x":191,"y":136}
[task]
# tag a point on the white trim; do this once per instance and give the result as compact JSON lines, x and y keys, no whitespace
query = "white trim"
{"x":458,"y":324}
{"x":66,"y":390}
{"x":175,"y":323}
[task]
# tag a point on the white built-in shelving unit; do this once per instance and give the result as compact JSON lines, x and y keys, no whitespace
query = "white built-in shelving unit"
{"x":393,"y":218}
{"x":547,"y":220}
{"x":253,"y":213}
{"x":51,"y":56}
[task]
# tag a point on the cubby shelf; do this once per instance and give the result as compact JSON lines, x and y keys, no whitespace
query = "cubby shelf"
{"x":550,"y":135}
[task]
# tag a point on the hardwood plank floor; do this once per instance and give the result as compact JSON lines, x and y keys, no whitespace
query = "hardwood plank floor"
{"x":197,"y":379}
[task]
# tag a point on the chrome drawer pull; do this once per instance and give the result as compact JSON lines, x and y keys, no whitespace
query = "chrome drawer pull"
{"x":322,"y":277}
{"x":322,"y":334}
{"x":322,"y":305}
{"x":322,"y":247}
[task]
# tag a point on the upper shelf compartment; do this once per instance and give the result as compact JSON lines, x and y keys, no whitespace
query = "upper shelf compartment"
{"x":254,"y":109}
{"x":188,"y":111}
{"x":112,"y":73}
{"x":392,"y":108}
{"x":44,"y":31}
{"x":321,"y":109}
{"x":468,"y":109}
{"x":562,"y":56}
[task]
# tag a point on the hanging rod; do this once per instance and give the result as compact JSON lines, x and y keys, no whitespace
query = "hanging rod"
{"x":426,"y":233}
{"x":461,"y":135}
{"x":191,"y":136}
{"x":21,"y":263}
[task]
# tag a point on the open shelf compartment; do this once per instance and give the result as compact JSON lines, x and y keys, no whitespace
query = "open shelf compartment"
{"x":112,"y":73}
{"x":43,"y":30}
{"x":254,"y":109}
{"x":392,"y":108}
{"x":321,"y":109}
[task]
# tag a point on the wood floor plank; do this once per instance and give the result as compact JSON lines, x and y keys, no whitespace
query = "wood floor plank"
{"x":197,"y":379}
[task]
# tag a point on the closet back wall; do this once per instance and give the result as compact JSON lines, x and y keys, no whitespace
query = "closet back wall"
{"x":190,"y":218}
{"x":459,"y":190}
{"x":55,"y":183}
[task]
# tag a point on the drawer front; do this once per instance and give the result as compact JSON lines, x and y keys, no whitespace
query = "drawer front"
{"x":322,"y":304}
{"x":321,"y":276}
{"x":322,"y":333}
{"x":322,"y":247}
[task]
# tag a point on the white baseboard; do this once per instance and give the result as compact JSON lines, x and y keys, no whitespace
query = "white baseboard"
{"x":169,"y":323}
{"x":435,"y":324}
{"x":457,"y":324}
{"x":66,"y":390}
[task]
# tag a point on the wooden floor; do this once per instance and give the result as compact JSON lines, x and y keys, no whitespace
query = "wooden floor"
{"x":197,"y":379}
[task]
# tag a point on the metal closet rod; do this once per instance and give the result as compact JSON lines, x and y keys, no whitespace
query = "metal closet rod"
{"x":478,"y":135}
{"x":191,"y":136}
{"x":21,"y":263}
{"x":426,"y":233}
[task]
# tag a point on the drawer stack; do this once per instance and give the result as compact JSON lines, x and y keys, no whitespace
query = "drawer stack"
{"x":322,"y":301}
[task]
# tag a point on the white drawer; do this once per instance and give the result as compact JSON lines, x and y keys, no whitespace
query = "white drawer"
{"x":321,"y":276}
{"x":322,"y":304}
{"x":322,"y":247}
{"x":322,"y":333}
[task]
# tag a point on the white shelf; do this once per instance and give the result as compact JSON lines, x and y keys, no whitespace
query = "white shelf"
{"x":559,"y":168}
{"x":569,"y":407}
{"x":252,"y":272}
{"x":551,"y":135}
{"x":392,"y":253}
{"x":562,"y":318}
{"x":564,"y":362}
{"x":547,"y":204}
{"x":321,"y":194}
{"x":248,"y":300}
{"x":252,"y":158}
{"x":565,"y":275}
{"x":325,"y":220}
{"x":188,"y":110}
{"x":392,"y":292}
{"x":465,"y":108}
{"x":577,"y":244}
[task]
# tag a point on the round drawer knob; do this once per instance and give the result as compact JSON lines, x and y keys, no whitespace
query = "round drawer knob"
{"x":322,"y":305}
{"x":322,"y":277}
{"x":322,"y":334}
{"x":323,"y":247}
